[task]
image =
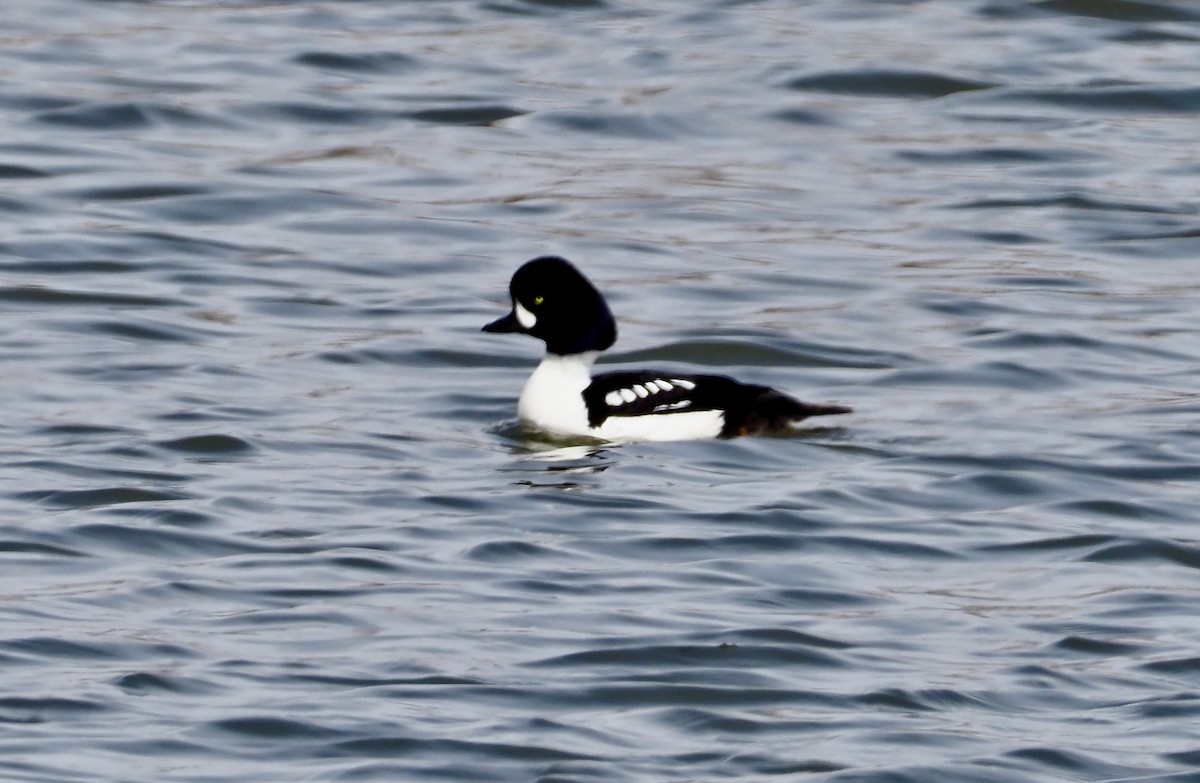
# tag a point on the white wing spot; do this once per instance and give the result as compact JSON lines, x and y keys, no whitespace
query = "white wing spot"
{"x":619,"y":397}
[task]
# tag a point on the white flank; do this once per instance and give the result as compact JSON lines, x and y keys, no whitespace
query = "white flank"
{"x":692,"y":425}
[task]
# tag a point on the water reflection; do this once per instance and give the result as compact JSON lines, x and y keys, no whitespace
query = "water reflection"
{"x":539,"y":452}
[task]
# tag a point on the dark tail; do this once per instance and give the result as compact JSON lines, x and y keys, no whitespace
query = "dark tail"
{"x":767,"y":410}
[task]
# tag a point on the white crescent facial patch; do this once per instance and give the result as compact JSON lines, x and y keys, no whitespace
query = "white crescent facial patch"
{"x":525,"y":318}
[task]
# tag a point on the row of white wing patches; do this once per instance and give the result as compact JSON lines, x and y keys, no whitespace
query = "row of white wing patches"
{"x":615,"y":399}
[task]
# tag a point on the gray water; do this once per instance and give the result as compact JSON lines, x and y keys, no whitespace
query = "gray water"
{"x":266,"y":511}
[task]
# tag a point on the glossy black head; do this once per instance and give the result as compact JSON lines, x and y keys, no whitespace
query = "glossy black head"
{"x":554,"y":302}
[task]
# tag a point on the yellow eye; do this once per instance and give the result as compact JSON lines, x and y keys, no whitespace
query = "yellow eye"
{"x":537,"y":300}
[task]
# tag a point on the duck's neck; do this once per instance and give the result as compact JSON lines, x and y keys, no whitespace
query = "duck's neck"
{"x":585,"y":359}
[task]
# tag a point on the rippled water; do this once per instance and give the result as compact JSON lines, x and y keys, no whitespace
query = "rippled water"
{"x":266,"y":514}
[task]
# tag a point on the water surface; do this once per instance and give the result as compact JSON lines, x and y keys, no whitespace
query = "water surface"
{"x":266,"y":511}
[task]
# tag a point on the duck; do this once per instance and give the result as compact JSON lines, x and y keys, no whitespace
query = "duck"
{"x":554,"y":302}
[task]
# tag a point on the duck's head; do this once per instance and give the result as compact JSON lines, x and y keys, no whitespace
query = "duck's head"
{"x":554,"y":302}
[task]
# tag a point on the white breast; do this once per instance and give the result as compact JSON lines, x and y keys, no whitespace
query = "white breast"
{"x":553,"y":396}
